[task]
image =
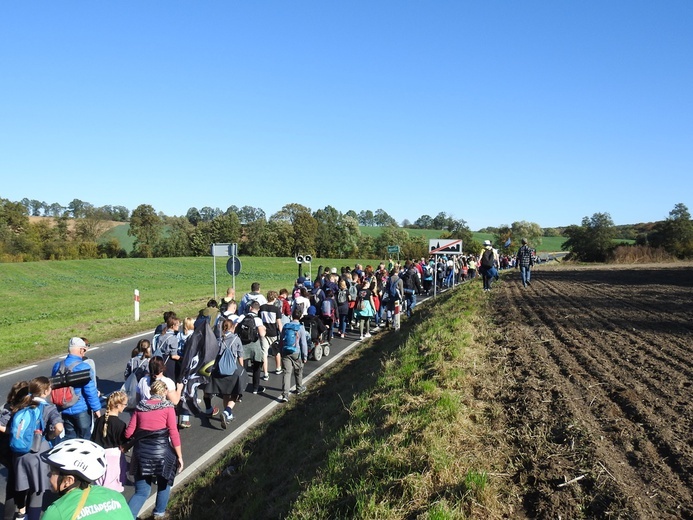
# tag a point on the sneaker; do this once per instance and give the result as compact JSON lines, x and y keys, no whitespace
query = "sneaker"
{"x":265,"y":377}
{"x":259,"y":390}
{"x":226,"y":418}
{"x":341,"y":335}
{"x":361,"y":338}
{"x":212,"y":411}
{"x":185,"y":424}
{"x":279,"y":371}
{"x":283,"y":399}
{"x":367,"y":335}
{"x":300,"y":389}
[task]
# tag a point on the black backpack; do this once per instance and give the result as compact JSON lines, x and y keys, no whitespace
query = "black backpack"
{"x":247,"y":330}
{"x":487,"y":258}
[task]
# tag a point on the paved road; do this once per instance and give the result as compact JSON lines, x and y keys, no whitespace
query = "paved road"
{"x":203,"y":441}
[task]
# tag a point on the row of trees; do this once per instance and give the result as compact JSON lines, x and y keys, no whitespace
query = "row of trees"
{"x":326,"y":233}
{"x":593,"y":240}
{"x":294,"y":229}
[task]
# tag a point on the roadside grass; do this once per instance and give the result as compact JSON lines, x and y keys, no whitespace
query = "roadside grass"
{"x":405,"y":426}
{"x":46,"y":303}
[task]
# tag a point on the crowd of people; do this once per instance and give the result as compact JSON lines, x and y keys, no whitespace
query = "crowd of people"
{"x":74,"y":453}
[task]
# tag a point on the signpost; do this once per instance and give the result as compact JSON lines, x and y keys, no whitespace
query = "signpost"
{"x":233,"y":265}
{"x":391,"y":250}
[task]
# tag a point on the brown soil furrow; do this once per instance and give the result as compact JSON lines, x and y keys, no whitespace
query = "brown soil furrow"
{"x":634,"y":399}
{"x":624,"y":409}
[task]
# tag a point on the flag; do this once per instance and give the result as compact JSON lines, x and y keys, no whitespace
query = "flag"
{"x":201,"y":349}
{"x":508,"y":242}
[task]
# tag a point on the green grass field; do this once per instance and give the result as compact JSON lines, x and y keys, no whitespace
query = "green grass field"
{"x":46,"y":303}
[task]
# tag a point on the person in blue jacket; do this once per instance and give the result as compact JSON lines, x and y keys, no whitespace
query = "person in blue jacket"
{"x":77,"y":418}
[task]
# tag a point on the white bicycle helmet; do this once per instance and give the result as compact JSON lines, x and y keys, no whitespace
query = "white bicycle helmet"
{"x":78,"y":457}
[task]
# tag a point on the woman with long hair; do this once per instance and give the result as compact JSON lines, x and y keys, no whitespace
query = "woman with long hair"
{"x":157,"y":455}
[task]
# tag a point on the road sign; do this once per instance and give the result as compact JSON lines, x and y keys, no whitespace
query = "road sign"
{"x":224,"y":250}
{"x":393,"y":249}
{"x":448,"y":247}
{"x":233,"y":265}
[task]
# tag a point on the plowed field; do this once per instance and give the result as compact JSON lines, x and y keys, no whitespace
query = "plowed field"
{"x":599,"y":366}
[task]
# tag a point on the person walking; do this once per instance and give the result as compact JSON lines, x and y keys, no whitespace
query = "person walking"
{"x":155,"y":458}
{"x":78,"y":417}
{"x":488,"y":263}
{"x":294,"y":348}
{"x":524,"y":262}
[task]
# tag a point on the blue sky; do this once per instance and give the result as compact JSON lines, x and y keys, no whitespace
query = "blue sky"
{"x":493,"y":112}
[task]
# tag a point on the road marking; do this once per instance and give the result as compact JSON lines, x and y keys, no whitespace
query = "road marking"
{"x":213,"y":453}
{"x":18,"y":370}
{"x":131,"y":337}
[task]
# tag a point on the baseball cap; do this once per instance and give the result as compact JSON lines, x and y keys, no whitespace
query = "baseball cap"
{"x":77,"y":342}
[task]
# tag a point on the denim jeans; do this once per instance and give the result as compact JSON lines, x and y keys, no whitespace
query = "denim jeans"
{"x":77,"y":426}
{"x":143,"y":487}
{"x":525,"y":273}
{"x":410,"y":297}
{"x":343,"y":323}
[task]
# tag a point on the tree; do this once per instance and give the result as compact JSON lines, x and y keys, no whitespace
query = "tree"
{"x":440,"y":221}
{"x":76,"y":207}
{"x":424,"y":222}
{"x":406,"y":223}
{"x":675,"y":234}
{"x":208,"y":214}
{"x":55,"y":210}
{"x":92,"y":225}
{"x":290,"y":212}
{"x":529,"y":230}
{"x":145,"y":226}
{"x":366,"y":218}
{"x":249,"y":214}
{"x":177,"y":241}
{"x":305,"y":229}
{"x":391,"y":236}
{"x":351,"y":213}
{"x":593,"y":240}
{"x":328,"y":235}
{"x":193,"y":216}
{"x":382,"y":219}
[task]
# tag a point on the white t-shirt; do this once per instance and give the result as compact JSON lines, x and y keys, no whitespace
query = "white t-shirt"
{"x":145,"y":383}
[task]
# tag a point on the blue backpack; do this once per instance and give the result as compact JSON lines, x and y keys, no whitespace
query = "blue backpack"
{"x":289,"y":338}
{"x":24,"y":423}
{"x":226,"y":361}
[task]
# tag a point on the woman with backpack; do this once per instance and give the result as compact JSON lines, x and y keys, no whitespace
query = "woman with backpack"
{"x":33,"y":414}
{"x":226,"y":385}
{"x":343,"y":307}
{"x":365,"y":308}
{"x":14,"y":397}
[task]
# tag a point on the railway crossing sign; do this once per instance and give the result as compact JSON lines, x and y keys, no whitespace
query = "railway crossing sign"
{"x":445,"y":247}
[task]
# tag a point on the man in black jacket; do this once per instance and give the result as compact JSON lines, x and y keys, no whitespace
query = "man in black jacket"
{"x":412,"y":285}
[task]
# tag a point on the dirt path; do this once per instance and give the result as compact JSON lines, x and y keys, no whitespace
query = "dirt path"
{"x":599,"y":366}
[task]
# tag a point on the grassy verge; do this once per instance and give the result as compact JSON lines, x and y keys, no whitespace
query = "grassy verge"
{"x":404,"y":427}
{"x":46,"y":303}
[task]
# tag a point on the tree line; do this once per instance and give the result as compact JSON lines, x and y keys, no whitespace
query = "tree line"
{"x":75,"y":232}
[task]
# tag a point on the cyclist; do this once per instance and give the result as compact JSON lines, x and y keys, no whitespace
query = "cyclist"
{"x":75,"y":464}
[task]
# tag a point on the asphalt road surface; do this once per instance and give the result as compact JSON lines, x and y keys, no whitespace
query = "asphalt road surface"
{"x":205,"y":439}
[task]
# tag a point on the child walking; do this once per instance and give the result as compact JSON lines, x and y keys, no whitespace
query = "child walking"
{"x":109,"y":433}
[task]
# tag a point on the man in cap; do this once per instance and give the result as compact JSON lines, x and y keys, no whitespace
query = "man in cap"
{"x":488,"y":264}
{"x":78,"y":417}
